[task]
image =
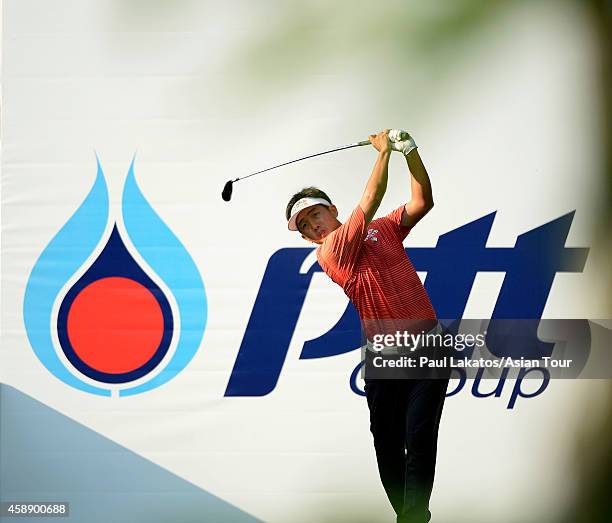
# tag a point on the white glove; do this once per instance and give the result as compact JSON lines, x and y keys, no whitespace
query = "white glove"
{"x":401,"y":141}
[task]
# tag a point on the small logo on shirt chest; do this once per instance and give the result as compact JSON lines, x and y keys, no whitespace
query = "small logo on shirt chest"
{"x":371,"y":235}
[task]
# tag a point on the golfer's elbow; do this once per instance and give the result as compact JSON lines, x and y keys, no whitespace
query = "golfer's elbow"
{"x":426,"y":201}
{"x":419,"y":207}
{"x":373,"y":197}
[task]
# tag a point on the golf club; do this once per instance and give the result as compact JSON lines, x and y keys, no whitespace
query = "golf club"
{"x":226,"y":194}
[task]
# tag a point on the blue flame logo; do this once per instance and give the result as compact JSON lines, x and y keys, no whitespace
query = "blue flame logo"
{"x":114,"y":323}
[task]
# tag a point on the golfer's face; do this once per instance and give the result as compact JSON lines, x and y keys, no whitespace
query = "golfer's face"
{"x":317,"y":222}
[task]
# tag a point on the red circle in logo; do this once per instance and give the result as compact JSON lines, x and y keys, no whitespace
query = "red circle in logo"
{"x":115,"y":325}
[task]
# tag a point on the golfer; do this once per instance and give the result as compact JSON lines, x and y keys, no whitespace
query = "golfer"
{"x":367,"y":259}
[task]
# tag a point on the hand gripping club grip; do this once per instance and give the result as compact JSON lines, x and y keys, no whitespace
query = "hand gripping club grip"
{"x":401,"y":141}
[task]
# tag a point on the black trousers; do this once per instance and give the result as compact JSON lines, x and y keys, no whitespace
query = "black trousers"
{"x":404,"y":420}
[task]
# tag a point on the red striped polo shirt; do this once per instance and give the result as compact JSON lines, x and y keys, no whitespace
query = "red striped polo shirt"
{"x":371,"y":265}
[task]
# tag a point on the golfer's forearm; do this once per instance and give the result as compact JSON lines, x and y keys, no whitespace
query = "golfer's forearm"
{"x":376,"y":186}
{"x":421,"y":199}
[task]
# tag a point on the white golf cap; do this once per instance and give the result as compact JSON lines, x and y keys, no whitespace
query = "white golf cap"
{"x":302,"y":204}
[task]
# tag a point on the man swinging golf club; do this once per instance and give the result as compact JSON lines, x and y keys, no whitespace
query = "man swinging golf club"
{"x":367,"y":259}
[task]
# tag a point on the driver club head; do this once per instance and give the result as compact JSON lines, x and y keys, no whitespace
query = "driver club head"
{"x":226,"y":194}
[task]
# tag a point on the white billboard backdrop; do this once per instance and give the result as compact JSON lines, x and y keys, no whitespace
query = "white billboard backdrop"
{"x":507,"y":120}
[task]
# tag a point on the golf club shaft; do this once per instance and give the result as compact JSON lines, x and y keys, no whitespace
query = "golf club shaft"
{"x":356,"y":144}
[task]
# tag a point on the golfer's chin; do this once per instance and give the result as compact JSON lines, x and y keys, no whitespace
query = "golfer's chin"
{"x":318,"y":238}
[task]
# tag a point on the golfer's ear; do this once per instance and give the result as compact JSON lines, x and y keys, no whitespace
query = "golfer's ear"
{"x":334,"y":210}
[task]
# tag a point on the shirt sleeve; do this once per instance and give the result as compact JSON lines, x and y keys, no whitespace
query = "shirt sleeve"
{"x":342,"y":247}
{"x":395,"y":219}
